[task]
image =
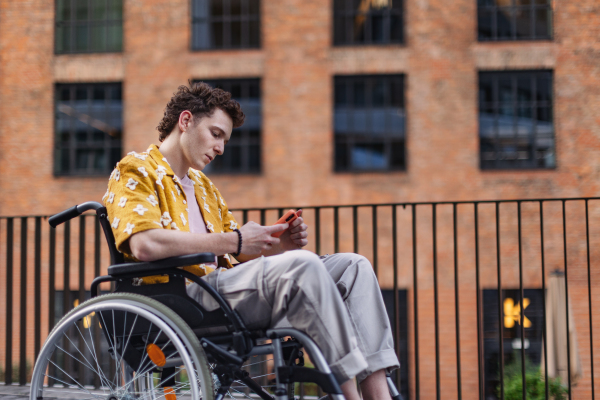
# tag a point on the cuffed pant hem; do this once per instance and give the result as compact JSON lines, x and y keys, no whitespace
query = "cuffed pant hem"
{"x":384,"y":359}
{"x":349,"y":366}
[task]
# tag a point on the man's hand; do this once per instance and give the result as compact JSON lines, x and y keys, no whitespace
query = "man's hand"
{"x":296,"y":236}
{"x":257,"y":238}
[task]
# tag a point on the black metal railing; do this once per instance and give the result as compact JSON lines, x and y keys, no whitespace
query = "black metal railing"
{"x":447,"y":270}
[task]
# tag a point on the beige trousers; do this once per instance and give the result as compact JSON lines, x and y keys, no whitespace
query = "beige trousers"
{"x":335,"y":299}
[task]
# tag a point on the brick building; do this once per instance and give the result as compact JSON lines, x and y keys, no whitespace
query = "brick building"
{"x":348,"y":102}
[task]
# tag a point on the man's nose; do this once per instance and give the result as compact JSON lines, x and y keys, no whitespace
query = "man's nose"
{"x":219,"y":148}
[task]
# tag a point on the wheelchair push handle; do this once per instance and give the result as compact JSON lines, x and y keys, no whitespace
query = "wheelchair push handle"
{"x":73,"y":212}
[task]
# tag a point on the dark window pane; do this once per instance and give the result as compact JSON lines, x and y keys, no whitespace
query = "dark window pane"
{"x":396,"y":29}
{"x":377,"y":29}
{"x":236,"y":34}
{"x":99,"y":9}
{"x":359,"y":93}
{"x":254,"y":40}
{"x":236,"y":7}
{"x":504,"y":23}
{"x":485,"y":91}
{"x":339,"y":27}
{"x":516,"y":20}
{"x":544,"y":89}
{"x":115,"y":9}
{"x":217,"y":34}
{"x":397,"y":155}
{"x":254,"y":158}
{"x":369,"y":126}
{"x":253,"y":7}
{"x":341,"y":156}
{"x":81,"y":10}
{"x":341,"y":94}
{"x":63,"y":10}
{"x":85,"y":26}
{"x":85,"y":129}
{"x":513,"y":132}
{"x":524,"y":28}
{"x":216,"y":8}
{"x":543,"y":22}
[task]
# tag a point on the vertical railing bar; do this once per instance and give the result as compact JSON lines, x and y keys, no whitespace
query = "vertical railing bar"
{"x":318,"y":230}
{"x":37,"y":286}
{"x":500,"y":319}
{"x":587,"y":238}
{"x":23,"y":317}
{"x":82,"y":259}
{"x":522,"y":295}
{"x":263,"y":217}
{"x":374,"y":222}
{"x":479,"y":339}
{"x":280,"y":212}
{"x":456,"y":304}
{"x":66,"y":282}
{"x":244,"y":216}
{"x":396,"y":297}
{"x":567,"y":297}
{"x":544,"y":300}
{"x":336,"y":230}
{"x":355,"y":228}
{"x":96,"y":274}
{"x":51,"y":290}
{"x":435,"y":300}
{"x":9,"y":300}
{"x":415,"y":300}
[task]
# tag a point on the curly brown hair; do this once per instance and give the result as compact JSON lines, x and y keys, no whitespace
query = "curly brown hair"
{"x":201,"y":100}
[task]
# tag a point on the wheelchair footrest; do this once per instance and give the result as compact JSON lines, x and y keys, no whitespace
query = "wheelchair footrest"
{"x":293,"y":374}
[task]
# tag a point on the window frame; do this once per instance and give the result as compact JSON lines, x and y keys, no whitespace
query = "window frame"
{"x":350,"y":12}
{"x":532,"y":8}
{"x":387,"y":139}
{"x":495,"y":105}
{"x":72,"y":146}
{"x":246,"y":140}
{"x":88,"y":23}
{"x":243,"y":18}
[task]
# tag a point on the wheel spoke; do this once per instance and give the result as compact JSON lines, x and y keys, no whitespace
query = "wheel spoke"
{"x":68,"y":385}
{"x":93,"y":353}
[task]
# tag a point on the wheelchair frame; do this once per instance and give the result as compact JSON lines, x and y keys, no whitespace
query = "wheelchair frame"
{"x":224,"y":337}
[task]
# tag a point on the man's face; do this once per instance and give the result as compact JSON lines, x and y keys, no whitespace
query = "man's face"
{"x":205,"y":138}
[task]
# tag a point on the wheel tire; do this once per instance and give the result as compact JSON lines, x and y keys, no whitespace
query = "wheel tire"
{"x":161,"y":316}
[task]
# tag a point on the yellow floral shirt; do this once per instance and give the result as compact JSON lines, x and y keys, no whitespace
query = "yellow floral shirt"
{"x":144,"y":193}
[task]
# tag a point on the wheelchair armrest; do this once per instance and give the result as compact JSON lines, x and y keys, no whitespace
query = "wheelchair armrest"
{"x":171,"y":262}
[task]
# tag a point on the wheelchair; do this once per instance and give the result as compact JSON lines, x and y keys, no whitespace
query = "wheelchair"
{"x":155,"y":342}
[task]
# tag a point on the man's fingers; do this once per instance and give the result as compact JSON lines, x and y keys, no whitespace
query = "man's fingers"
{"x":277,"y":228}
{"x":299,"y":235}
{"x":296,"y":222}
{"x":299,"y":228}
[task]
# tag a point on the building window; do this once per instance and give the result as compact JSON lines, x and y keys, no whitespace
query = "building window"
{"x":514,"y":20}
{"x":242,"y":153}
{"x":400,"y":337}
{"x":369,"y":123}
{"x":89,"y":123}
{"x":515,"y":120}
{"x":225,"y":24}
{"x":533,"y":305}
{"x":367,"y":22}
{"x":88,"y":26}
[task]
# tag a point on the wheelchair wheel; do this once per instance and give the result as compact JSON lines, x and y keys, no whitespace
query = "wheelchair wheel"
{"x":122,"y":346}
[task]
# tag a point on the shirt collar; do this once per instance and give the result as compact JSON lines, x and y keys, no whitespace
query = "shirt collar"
{"x":158,"y":158}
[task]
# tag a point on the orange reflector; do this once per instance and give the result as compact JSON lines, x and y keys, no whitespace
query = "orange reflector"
{"x":170,"y":393}
{"x":156,"y":355}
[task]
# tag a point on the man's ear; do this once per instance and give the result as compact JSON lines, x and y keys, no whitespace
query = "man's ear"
{"x":185,"y":120}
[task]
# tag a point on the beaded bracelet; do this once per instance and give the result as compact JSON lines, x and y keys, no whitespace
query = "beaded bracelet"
{"x":239,"y":249}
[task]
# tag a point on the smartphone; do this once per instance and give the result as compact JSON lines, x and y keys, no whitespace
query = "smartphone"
{"x":288,"y":217}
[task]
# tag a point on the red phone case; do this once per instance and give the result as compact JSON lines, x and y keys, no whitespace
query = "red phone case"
{"x":288,"y":217}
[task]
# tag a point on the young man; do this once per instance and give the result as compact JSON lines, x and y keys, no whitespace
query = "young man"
{"x":161,"y":205}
